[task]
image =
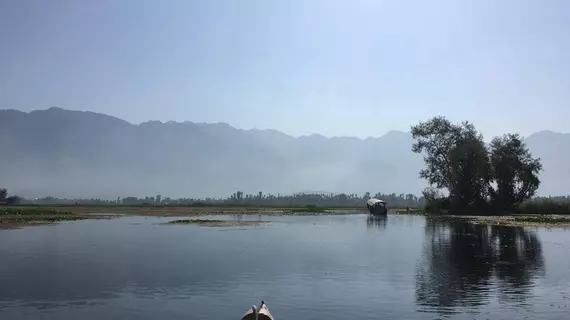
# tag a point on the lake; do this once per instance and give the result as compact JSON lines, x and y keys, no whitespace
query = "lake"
{"x":304,"y":267}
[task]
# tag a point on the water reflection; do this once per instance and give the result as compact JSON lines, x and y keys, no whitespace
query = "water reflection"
{"x":326,"y":267}
{"x":378,"y":222}
{"x":464,"y":264}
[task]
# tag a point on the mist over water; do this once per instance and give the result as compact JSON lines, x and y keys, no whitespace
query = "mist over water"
{"x":311,"y":267}
{"x":72,"y":154}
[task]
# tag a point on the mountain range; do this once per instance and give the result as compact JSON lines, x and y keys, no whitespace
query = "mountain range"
{"x":66,"y":153}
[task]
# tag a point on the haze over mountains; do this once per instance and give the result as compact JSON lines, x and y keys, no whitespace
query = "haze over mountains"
{"x":67,"y":153}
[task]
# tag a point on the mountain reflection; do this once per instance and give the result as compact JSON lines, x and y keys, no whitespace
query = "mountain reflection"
{"x":464,"y":264}
{"x":378,"y":222}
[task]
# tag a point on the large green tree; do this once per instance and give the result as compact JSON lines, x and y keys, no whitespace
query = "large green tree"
{"x":456,"y":160}
{"x":478,"y":178}
{"x":3,"y":194}
{"x":514,"y":171}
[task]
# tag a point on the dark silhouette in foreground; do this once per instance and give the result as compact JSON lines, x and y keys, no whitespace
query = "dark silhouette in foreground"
{"x":260,"y":313}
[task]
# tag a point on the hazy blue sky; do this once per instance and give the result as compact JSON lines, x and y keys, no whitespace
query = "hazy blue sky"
{"x":356,"y":68}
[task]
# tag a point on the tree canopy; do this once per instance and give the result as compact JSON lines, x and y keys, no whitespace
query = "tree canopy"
{"x":479,"y":178}
{"x":4,"y":199}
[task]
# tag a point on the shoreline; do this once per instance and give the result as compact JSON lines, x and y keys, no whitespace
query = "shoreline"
{"x":526,"y":220}
{"x":173,"y":211}
{"x":20,"y":216}
{"x":13,"y":217}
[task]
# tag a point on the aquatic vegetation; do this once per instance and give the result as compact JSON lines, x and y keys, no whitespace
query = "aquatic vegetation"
{"x":510,"y":220}
{"x":193,"y":221}
{"x":32,"y":218}
{"x":216,"y":223}
{"x":415,"y":211}
{"x":30,"y":215}
{"x":542,"y":219}
{"x":10,"y":216}
{"x":31,"y":211}
{"x":307,"y":209}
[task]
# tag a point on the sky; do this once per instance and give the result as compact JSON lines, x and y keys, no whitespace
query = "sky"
{"x":337,"y":68}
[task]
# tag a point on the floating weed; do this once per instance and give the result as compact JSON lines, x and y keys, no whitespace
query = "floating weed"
{"x":307,"y":209}
{"x":542,"y":219}
{"x":410,"y":211}
{"x":216,"y":223}
{"x":27,"y":216}
{"x":25,"y":219}
{"x":192,"y":221}
{"x":31,"y":212}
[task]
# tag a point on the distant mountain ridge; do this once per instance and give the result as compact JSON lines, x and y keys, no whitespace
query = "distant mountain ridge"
{"x":67,"y":153}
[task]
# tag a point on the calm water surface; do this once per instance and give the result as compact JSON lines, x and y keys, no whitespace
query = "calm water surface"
{"x":329,"y":267}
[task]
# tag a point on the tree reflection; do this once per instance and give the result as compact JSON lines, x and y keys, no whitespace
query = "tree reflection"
{"x":378,"y":222}
{"x":463,"y":262}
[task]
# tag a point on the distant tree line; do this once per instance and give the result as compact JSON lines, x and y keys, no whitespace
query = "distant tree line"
{"x":239,"y":198}
{"x":548,"y":205}
{"x":467,"y":176}
{"x":545,"y":205}
{"x":8,"y":200}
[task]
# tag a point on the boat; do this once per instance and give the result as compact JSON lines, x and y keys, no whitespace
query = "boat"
{"x":260,"y":313}
{"x":376,"y":206}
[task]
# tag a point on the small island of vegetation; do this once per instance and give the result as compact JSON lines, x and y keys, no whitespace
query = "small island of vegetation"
{"x":479,"y":179}
{"x":216,"y":223}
